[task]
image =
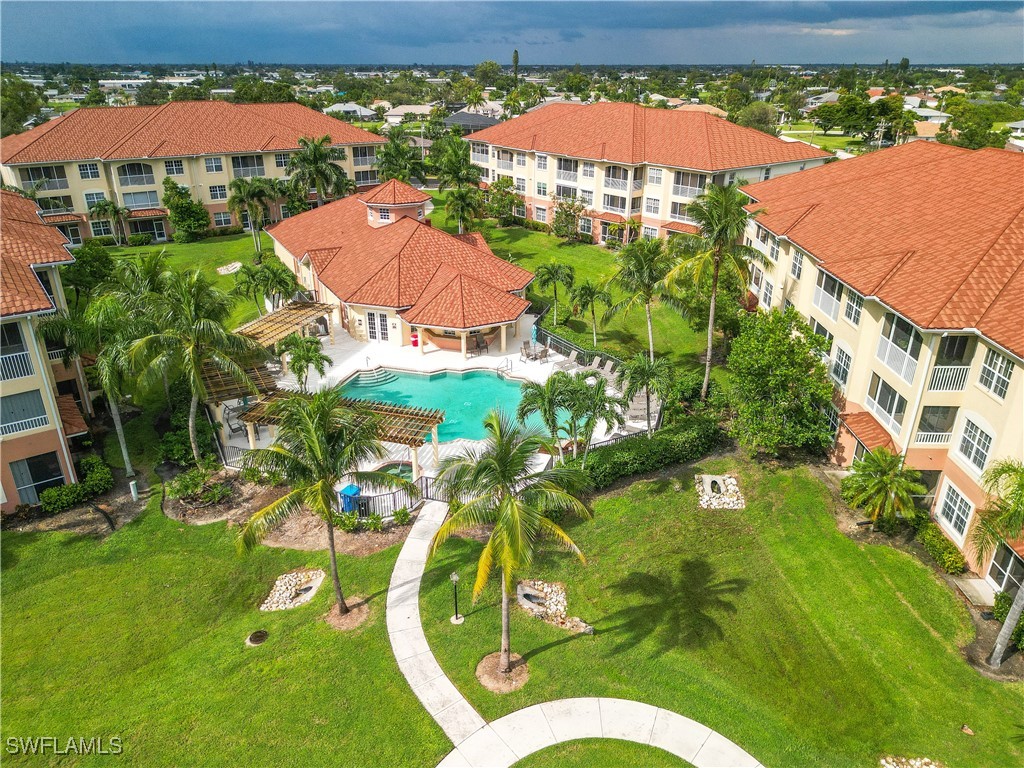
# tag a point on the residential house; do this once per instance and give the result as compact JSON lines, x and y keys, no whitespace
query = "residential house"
{"x":921,"y":309}
{"x":926,"y":131}
{"x":406,"y":113}
{"x":125,"y":153}
{"x":624,"y":160}
{"x":708,"y":108}
{"x":40,"y":397}
{"x":929,"y":115}
{"x":350,"y":109}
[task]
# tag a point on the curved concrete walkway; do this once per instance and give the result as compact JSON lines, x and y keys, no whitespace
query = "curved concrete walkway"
{"x":507,"y":740}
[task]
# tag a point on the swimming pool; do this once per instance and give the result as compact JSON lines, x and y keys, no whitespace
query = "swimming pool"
{"x":464,"y":396}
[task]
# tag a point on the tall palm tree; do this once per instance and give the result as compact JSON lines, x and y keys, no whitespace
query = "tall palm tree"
{"x":499,"y":487}
{"x":1002,"y":519}
{"x":641,"y":374}
{"x":398,"y":159}
{"x":882,"y":485}
{"x":109,"y":209}
{"x":315,"y":166}
{"x":455,"y":170}
{"x":249,"y":284}
{"x":190,"y":333}
{"x":475,"y":100}
{"x":640,"y":270}
{"x":512,"y":104}
{"x":465,"y":205}
{"x":319,"y":442}
{"x":721,"y":221}
{"x":587,"y":295}
{"x":599,"y":406}
{"x":551,"y":275}
{"x":304,"y":352}
{"x":627,"y":229}
{"x":546,"y":400}
{"x":251,"y":196}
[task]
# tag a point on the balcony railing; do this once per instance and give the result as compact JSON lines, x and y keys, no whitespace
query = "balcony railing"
{"x":681,"y":190}
{"x":362,"y":162}
{"x":933,"y":438}
{"x":638,"y":184}
{"x":16,"y":365}
{"x":567,"y":176}
{"x":505,"y":165}
{"x":11,"y":427}
{"x":619,"y":184}
{"x":249,"y":172}
{"x":949,"y":378}
{"x":480,"y":157}
{"x":683,"y":217}
{"x":55,"y":354}
{"x":898,"y":361}
{"x":826,"y":302}
{"x":141,"y":180}
{"x":141,"y":205}
{"x":41,"y":185}
{"x":883,"y":416}
{"x":614,"y":209}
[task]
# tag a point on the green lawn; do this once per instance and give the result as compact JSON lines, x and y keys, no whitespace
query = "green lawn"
{"x":767,"y":625}
{"x":601,"y":753}
{"x":141,"y":636}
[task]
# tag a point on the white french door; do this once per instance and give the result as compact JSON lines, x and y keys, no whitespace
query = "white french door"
{"x":377,"y":326}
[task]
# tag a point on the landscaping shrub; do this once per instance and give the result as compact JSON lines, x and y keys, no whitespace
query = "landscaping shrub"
{"x":194,"y":485}
{"x":639,"y":455}
{"x":97,"y":479}
{"x":374,"y":523}
{"x":141,"y":238}
{"x":257,"y":477}
{"x":402,"y":516}
{"x":224,"y":231}
{"x":348,"y":521}
{"x":61,"y":498}
{"x":535,"y":226}
{"x":101,"y":240}
{"x":942,"y":550}
{"x":1001,"y":610}
{"x":175,"y":445}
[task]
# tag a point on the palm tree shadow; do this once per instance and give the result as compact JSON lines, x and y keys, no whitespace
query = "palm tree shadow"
{"x":675,"y":613}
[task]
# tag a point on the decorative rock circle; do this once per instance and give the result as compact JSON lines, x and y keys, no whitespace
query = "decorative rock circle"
{"x":257,"y":638}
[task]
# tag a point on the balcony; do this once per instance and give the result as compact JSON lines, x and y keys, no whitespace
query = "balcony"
{"x":683,"y":217}
{"x":614,"y":209}
{"x":567,"y":176}
{"x":55,"y":354}
{"x":12,"y":427}
{"x":638,"y":184}
{"x":619,"y":184}
{"x":364,"y":162}
{"x":16,"y":365}
{"x":137,"y":180}
{"x":896,"y":360}
{"x":45,"y":185}
{"x":249,"y":172}
{"x":826,"y":302}
{"x":504,"y":165}
{"x":680,"y":190}
{"x":933,"y":438}
{"x":889,"y":422}
{"x":480,"y":157}
{"x":949,"y":378}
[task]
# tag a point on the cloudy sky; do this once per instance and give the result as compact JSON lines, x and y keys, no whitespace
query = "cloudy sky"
{"x":401,"y":32}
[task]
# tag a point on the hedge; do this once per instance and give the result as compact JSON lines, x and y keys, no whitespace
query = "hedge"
{"x":636,"y":456}
{"x":97,"y":479}
{"x":1001,"y":610}
{"x":139,"y":239}
{"x":943,"y":551}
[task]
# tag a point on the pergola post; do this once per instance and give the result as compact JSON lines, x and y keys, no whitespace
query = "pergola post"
{"x":503,"y":329}
{"x":433,"y":432}
{"x":414,"y":450}
{"x":250,"y":431}
{"x":422,"y":340}
{"x":464,"y":337}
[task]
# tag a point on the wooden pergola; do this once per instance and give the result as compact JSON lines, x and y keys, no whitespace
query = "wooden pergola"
{"x":222,"y":386}
{"x":284,"y":321}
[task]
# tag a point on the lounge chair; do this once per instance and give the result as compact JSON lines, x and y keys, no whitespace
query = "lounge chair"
{"x":595,"y":364}
{"x":568,"y":363}
{"x":609,"y":366}
{"x":526,"y":353}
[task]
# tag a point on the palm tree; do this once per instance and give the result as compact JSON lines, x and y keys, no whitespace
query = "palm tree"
{"x":644,"y":374}
{"x":475,"y":100}
{"x":251,"y":197}
{"x":546,"y":400}
{"x":500,"y":488}
{"x":319,"y":442}
{"x":550,"y":275}
{"x":882,"y":485}
{"x":190,"y":333}
{"x":109,"y":209}
{"x":276,"y":281}
{"x":599,"y":407}
{"x":454,"y":167}
{"x":626,"y":229}
{"x":1002,"y":519}
{"x":587,"y":295}
{"x":640,"y":270}
{"x":465,"y":205}
{"x":304,"y":352}
{"x":398,"y":159}
{"x":315,"y":166}
{"x":249,"y":284}
{"x":721,"y":221}
{"x":512,"y":104}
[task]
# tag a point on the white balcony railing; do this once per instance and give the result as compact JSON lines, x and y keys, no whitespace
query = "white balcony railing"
{"x":614,"y":209}
{"x":619,"y":184}
{"x":137,"y":180}
{"x":949,"y":378}
{"x":567,"y":176}
{"x":898,"y":361}
{"x":42,"y":185}
{"x":933,"y":438}
{"x":680,"y":190}
{"x":638,"y":184}
{"x":683,"y":217}
{"x":480,"y":157}
{"x":362,"y":162}
{"x":883,"y":416}
{"x":16,"y":365}
{"x":55,"y":354}
{"x":505,"y":165}
{"x":826,"y":302}
{"x":24,"y":425}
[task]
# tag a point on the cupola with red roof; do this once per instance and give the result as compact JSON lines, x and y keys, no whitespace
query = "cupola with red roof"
{"x":394,"y":200}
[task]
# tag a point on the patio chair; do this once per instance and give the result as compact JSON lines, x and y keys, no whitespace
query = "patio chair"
{"x":526,"y":353}
{"x":481,"y":344}
{"x":608,"y":368}
{"x":595,"y":364}
{"x":542,"y":356}
{"x":568,"y":363}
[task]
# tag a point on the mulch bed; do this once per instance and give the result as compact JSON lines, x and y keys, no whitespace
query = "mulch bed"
{"x":358,"y":613}
{"x":499,"y":682}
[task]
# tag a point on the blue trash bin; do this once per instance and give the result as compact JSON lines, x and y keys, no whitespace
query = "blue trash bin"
{"x":349,"y":498}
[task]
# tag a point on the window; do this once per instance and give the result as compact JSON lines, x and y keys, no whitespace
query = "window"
{"x":586,"y":226}
{"x":886,"y":403}
{"x":55,"y":204}
{"x":678,"y":212}
{"x":521,"y":159}
{"x":1007,"y":570}
{"x":218,"y":192}
{"x":955,"y":510}
{"x":222,"y":219}
{"x":561,"y":191}
{"x":21,"y":412}
{"x":756,"y":280}
{"x":11,"y":342}
{"x":688,"y":184}
{"x":797,"y":267}
{"x":44,"y":177}
{"x":214,"y":165}
{"x":281,"y":159}
{"x":854,"y":305}
{"x":767,"y":174}
{"x":567,"y":169}
{"x":766,"y":294}
{"x":615,"y":203}
{"x":542,"y":189}
{"x":36,"y":474}
{"x":822,"y":331}
{"x":995,"y":373}
{"x":101,"y":228}
{"x":841,"y":366}
{"x":542,"y":162}
{"x":91,"y":198}
{"x":636,"y":204}
{"x":135,"y":175}
{"x":72,"y":232}
{"x":587,"y":196}
{"x":247,"y":166}
{"x":367,"y":178}
{"x":901,"y":334}
{"x":763,"y":234}
{"x":174,"y":167}
{"x":588,"y":170}
{"x":827,"y":294}
{"x":649,"y":233}
{"x":975,"y":444}
{"x":89,"y":170}
{"x":936,"y":420}
{"x":152,"y":227}
{"x":136,"y":200}
{"x":773,"y":248}
{"x":833,"y":419}
{"x":285,"y":213}
{"x":368,"y":155}
{"x":520,"y":184}
{"x":520,"y":211}
{"x":540,"y":214}
{"x":652,"y":205}
{"x":786,"y":304}
{"x":654,"y":175}
{"x":385,"y":214}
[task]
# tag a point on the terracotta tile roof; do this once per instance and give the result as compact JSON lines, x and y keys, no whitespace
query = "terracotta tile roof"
{"x":70,"y":416}
{"x":25,"y":240}
{"x":868,"y":430}
{"x":403,"y":264}
{"x":147,"y":213}
{"x":927,"y":130}
{"x":708,"y":108}
{"x":613,"y":218}
{"x":395,"y":192}
{"x":176,"y":129}
{"x":678,"y":226}
{"x":632,"y":134}
{"x":63,"y":218}
{"x":933,"y":231}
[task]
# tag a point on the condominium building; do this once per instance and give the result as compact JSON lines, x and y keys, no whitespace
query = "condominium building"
{"x":625,"y":160}
{"x":125,"y":153}
{"x":40,"y":397}
{"x":910,"y":261}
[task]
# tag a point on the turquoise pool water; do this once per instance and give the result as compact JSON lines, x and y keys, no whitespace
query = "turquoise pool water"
{"x":465,"y":397}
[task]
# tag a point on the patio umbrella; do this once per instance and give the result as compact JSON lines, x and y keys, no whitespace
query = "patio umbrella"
{"x":533,"y":334}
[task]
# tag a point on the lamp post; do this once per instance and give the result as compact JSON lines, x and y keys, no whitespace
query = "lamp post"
{"x":456,"y":619}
